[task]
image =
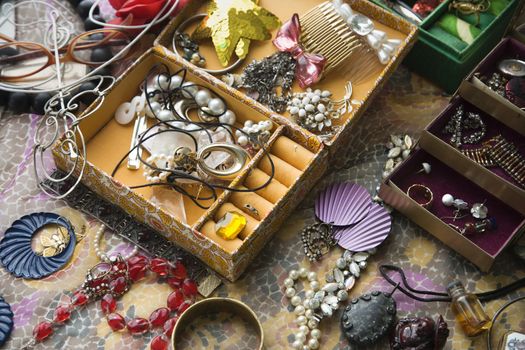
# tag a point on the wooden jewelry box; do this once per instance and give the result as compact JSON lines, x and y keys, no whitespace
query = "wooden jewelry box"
{"x":300,"y":158}
{"x":455,"y":173}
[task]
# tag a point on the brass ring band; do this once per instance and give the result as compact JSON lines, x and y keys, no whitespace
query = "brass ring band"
{"x":421,"y":190}
{"x":183,"y":26}
{"x":215,"y":305}
{"x":239,"y":155}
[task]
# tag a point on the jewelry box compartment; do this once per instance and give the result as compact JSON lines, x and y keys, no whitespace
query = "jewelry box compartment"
{"x":447,"y":62}
{"x":475,"y":87}
{"x":481,"y":248}
{"x":441,"y":27}
{"x":367,"y":79}
{"x":298,"y":163}
{"x":435,"y":140}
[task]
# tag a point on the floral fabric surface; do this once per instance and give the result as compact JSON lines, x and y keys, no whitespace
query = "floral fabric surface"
{"x":406,"y":105}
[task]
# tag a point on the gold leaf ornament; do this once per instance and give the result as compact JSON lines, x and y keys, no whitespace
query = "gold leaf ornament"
{"x":232,"y":24}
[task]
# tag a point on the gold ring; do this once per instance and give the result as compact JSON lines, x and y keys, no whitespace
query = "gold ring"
{"x":421,"y":191}
{"x":216,"y":305}
{"x":239,"y":155}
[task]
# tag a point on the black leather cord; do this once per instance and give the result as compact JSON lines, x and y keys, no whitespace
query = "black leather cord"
{"x":406,"y":289}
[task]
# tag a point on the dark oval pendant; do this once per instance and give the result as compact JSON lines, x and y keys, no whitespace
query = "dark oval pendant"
{"x":368,"y":318}
{"x":515,"y":91}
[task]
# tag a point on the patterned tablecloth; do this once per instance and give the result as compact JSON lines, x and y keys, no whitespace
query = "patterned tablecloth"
{"x":406,"y":105}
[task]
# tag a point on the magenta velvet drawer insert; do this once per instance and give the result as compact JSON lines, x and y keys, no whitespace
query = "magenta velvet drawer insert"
{"x":507,"y":48}
{"x":444,"y":179}
{"x":494,"y":128}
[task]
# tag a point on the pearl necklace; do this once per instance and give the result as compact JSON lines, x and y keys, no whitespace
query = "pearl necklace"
{"x":320,"y":302}
{"x":103,"y":256}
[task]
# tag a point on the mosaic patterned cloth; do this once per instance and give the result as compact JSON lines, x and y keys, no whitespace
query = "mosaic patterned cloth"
{"x":406,"y":105}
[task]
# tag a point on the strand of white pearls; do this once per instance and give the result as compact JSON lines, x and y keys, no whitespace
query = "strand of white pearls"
{"x":103,"y":256}
{"x":320,"y":302}
{"x":161,"y":161}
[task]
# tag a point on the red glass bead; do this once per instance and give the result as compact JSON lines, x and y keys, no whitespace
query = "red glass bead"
{"x":160,"y":342}
{"x":175,"y":300}
{"x":137,"y":272}
{"x":116,"y":322}
{"x":137,"y":260}
{"x":42,"y":331}
{"x":169,"y":325}
{"x":178,"y":270}
{"x":159,"y":266}
{"x":120,"y":266}
{"x":108,"y":304}
{"x":138,"y":325}
{"x":62,"y":314}
{"x":118,"y":286}
{"x":175,"y":283}
{"x":159,"y":316}
{"x":189,"y":287}
{"x":184,"y":306}
{"x":79,"y":298}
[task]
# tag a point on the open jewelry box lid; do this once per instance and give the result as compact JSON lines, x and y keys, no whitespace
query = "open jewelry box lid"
{"x":364,"y":88}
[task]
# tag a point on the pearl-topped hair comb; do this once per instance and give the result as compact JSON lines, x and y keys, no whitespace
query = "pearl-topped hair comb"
{"x":334,"y":31}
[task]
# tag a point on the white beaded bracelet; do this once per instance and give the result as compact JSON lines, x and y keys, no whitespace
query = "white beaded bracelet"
{"x":103,"y":256}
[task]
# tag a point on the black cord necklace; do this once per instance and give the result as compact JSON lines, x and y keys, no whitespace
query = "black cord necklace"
{"x":440,"y":296}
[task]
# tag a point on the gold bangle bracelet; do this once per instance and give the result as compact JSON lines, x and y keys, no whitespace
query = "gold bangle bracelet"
{"x":216,"y":305}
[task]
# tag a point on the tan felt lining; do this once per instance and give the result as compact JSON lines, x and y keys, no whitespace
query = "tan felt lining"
{"x":293,"y":153}
{"x":272,"y":192}
{"x":284,"y":172}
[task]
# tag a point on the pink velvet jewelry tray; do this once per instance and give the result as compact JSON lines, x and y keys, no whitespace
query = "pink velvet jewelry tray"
{"x":480,"y":248}
{"x":495,"y":180}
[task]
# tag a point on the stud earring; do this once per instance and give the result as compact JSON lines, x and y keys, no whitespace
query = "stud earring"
{"x":425,"y":168}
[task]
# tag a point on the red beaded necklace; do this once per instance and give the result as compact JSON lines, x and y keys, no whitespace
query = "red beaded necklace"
{"x":108,"y":281}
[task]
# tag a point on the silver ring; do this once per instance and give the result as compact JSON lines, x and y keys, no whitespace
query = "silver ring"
{"x":182,"y":107}
{"x":238,"y":153}
{"x":180,"y":30}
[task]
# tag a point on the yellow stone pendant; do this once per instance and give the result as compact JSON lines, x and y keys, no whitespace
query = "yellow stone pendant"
{"x":230,"y":225}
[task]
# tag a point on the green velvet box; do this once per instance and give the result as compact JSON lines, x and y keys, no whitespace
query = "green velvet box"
{"x":445,"y":61}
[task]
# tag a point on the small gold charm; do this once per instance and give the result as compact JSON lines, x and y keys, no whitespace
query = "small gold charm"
{"x":53,"y":243}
